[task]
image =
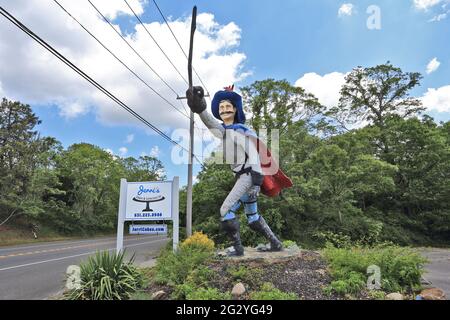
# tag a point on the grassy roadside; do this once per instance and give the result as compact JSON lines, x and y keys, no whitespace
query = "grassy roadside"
{"x":10,"y":236}
{"x":195,"y":272}
{"x":330,"y":274}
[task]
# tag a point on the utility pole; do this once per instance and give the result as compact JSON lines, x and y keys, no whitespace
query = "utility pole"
{"x":191,"y":130}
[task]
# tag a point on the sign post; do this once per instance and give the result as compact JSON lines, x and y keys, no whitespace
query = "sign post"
{"x":121,"y":218}
{"x":176,"y":212}
{"x":148,"y":201}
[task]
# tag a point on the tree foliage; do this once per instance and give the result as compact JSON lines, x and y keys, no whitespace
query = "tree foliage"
{"x":387,"y":179}
{"x":375,"y":93}
{"x":72,"y":191}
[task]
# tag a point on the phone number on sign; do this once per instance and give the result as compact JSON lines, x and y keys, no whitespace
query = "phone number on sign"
{"x":148,"y":215}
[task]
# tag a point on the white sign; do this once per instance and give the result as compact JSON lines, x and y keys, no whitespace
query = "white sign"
{"x":148,"y":229}
{"x":149,"y":201}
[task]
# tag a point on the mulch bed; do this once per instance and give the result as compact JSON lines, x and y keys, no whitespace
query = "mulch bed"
{"x":304,"y":274}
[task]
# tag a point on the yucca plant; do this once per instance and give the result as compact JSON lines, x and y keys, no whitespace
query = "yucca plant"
{"x":106,"y":276}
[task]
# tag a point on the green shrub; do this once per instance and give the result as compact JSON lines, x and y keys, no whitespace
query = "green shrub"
{"x":173,"y":268}
{"x":107,"y":277}
{"x":198,"y":241}
{"x":183,"y":290}
{"x":401,"y":268}
{"x":377,"y":295}
{"x":269,"y":292}
{"x":289,"y":243}
{"x":238,"y":273}
{"x":374,"y":230}
{"x":353,"y":283}
{"x":207,"y":294}
{"x":185,"y":269}
{"x":338,"y":240}
{"x":198,"y":279}
{"x":201,"y":275}
{"x":250,"y":275}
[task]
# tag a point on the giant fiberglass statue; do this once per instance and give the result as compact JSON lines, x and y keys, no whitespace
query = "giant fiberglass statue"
{"x":244,"y":151}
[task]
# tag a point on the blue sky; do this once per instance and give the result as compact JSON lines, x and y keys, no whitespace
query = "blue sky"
{"x":280,"y":39}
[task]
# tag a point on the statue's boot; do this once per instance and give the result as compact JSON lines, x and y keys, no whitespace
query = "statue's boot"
{"x":261,"y":227}
{"x":232,"y":229}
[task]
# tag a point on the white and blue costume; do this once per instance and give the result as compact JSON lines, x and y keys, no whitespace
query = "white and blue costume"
{"x":246,"y":159}
{"x":242,"y":154}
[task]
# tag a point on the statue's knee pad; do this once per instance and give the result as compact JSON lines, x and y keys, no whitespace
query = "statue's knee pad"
{"x":252,"y":218}
{"x":229,"y":216}
{"x":250,"y":208}
{"x":224,"y":210}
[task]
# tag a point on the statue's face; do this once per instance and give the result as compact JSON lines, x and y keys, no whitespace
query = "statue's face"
{"x":227,"y":111}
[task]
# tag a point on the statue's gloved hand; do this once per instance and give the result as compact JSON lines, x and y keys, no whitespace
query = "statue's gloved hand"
{"x":196,"y":100}
{"x":253,"y":192}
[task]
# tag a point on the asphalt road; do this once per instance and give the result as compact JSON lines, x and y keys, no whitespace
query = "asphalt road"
{"x":438,"y":268}
{"x":38,"y":271}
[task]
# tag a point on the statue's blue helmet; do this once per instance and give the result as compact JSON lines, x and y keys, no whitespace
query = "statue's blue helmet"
{"x":234,"y":98}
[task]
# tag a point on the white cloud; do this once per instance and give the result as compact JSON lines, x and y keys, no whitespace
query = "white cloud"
{"x":437,"y":99}
{"x":114,"y":8}
{"x":433,"y":65}
{"x":130,"y":138}
{"x":155,"y":152}
{"x":123,"y":151}
{"x":32,"y":75}
{"x":431,"y":6}
{"x":439,"y":17}
{"x":346,"y":9}
{"x":425,"y":4}
{"x":326,"y":88}
{"x":70,"y":110}
{"x":109,"y":151}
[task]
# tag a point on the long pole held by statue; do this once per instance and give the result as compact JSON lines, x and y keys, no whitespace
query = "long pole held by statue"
{"x":191,"y":130}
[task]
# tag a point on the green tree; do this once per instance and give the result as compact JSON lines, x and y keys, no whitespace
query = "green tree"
{"x":277,"y":104}
{"x":26,"y":162}
{"x":146,"y":168}
{"x":91,"y":177}
{"x":421,"y":151}
{"x":375,"y":93}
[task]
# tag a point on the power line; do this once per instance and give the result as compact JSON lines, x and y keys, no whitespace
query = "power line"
{"x":128,"y":68}
{"x":118,"y":59}
{"x":156,"y":42}
{"x":62,"y":58}
{"x":161,"y":49}
{"x":178,"y":42}
{"x":140,"y":56}
{"x":132,"y":48}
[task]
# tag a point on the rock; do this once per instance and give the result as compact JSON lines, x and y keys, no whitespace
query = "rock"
{"x":394,"y":296}
{"x":433,"y":294}
{"x":322,"y":272}
{"x":159,"y":295}
{"x":263,"y":247}
{"x":226,"y":252}
{"x":238,"y":290}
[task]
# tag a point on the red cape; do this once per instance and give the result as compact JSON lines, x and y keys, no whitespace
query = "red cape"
{"x":274,"y":179}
